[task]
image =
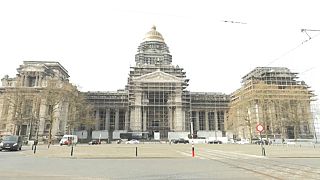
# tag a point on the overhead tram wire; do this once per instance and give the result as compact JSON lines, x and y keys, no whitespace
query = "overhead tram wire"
{"x":307,"y":70}
{"x":235,"y":22}
{"x":289,"y":51}
{"x":296,"y":47}
{"x":306,"y":31}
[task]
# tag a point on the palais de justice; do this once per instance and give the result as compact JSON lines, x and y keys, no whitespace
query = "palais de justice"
{"x":156,"y":100}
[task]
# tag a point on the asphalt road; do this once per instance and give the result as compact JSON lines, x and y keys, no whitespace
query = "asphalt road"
{"x":161,"y":161}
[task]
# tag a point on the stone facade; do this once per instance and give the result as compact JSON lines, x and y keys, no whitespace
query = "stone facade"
{"x":23,"y":111}
{"x":155,"y":98}
{"x":276,"y":99}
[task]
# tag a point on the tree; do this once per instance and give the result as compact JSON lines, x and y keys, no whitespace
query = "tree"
{"x":20,"y":101}
{"x":63,"y":96}
{"x":55,"y":94}
{"x":80,"y":112}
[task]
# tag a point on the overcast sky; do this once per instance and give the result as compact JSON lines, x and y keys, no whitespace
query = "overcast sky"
{"x":216,"y":43}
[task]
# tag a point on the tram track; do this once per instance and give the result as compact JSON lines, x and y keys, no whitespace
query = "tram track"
{"x":259,"y":165}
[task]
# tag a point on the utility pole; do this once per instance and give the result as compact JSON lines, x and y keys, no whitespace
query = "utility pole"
{"x":191,"y":129}
{"x":309,"y":30}
{"x":306,"y":31}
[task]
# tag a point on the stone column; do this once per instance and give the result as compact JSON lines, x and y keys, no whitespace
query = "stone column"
{"x":126,"y":120}
{"x":170,"y":118}
{"x":206,"y":114}
{"x":216,"y":120}
{"x":197,"y":128}
{"x":97,"y":120}
{"x":24,"y":80}
{"x":135,"y":114}
{"x":136,"y":125}
{"x":65,"y":117}
{"x":178,"y":119}
{"x":40,"y":79}
{"x":37,"y":79}
{"x":132,"y":116}
{"x":42,"y":114}
{"x":183,"y":119}
{"x":107,"y":120}
{"x":56,"y":122}
{"x":224,"y":119}
{"x":178,"y":124}
{"x":144,"y":120}
{"x":116,"y":121}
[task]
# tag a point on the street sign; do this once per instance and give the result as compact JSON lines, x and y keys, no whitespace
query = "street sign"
{"x":259,"y":128}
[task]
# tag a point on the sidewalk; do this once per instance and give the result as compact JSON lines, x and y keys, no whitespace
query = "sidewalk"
{"x":118,"y":151}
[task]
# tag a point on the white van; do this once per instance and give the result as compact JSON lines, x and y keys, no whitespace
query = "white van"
{"x":68,"y":139}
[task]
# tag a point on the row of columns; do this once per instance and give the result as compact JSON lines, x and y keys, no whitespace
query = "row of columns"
{"x":176,"y":119}
{"x":116,"y":119}
{"x":206,"y":120}
{"x":37,"y":75}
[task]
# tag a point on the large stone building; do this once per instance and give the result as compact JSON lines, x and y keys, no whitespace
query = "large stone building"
{"x":274,"y":98}
{"x":24,"y":110}
{"x":156,"y":98}
{"x":155,"y":102}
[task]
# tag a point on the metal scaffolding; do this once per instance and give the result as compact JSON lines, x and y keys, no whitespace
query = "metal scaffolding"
{"x":159,"y":104}
{"x":273,"y":97}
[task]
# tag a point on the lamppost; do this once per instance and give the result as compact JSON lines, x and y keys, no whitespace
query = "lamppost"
{"x":191,"y":128}
{"x":30,"y":128}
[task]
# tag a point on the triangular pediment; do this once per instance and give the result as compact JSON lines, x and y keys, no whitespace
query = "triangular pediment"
{"x":158,"y":76}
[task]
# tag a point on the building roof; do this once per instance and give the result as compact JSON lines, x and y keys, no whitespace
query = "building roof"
{"x":153,"y":35}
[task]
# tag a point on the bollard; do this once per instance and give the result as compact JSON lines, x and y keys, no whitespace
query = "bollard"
{"x":263,"y":152}
{"x":72,"y":150}
{"x":136,"y":151}
{"x":34,"y":149}
{"x":263,"y":149}
{"x":192,"y":150}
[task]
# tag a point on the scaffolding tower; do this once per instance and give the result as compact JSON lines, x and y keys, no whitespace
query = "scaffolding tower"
{"x":273,"y":97}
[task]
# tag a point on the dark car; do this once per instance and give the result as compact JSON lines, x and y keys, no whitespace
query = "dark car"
{"x":264,"y":142}
{"x":11,"y":143}
{"x":180,"y":140}
{"x":215,"y":142}
{"x":93,"y":142}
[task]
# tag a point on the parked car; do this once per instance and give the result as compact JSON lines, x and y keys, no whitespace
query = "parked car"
{"x":133,"y":141}
{"x":11,"y":143}
{"x":68,"y":140}
{"x":94,"y":141}
{"x":264,"y":142}
{"x":243,"y":141}
{"x":215,"y":142}
{"x":180,"y":140}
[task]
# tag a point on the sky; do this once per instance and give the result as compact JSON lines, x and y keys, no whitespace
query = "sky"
{"x":216,"y":42}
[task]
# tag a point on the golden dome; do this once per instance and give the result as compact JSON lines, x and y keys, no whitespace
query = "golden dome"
{"x":153,"y":35}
